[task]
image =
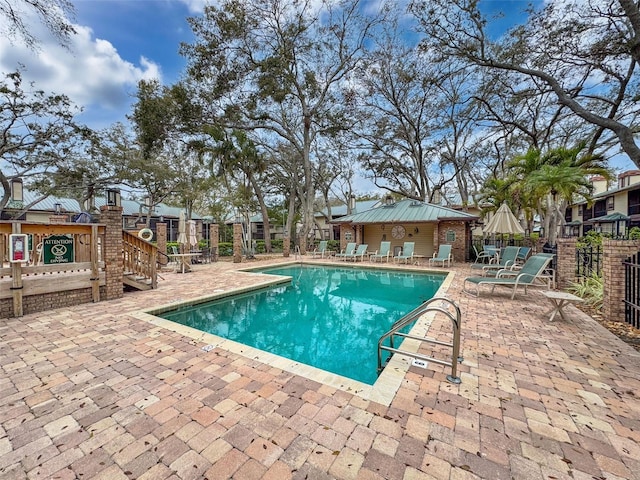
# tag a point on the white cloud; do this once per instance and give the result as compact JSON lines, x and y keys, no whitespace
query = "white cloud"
{"x":90,"y":72}
{"x":197,"y":6}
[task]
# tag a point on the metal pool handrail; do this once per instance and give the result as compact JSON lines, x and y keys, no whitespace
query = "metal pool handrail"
{"x":456,"y":319}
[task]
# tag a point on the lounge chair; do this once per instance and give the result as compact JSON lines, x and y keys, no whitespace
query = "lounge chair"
{"x":321,"y":249}
{"x":383,"y":254}
{"x":507,"y":259}
{"x":484,"y":256}
{"x":533,"y":269}
{"x":360,"y":252}
{"x":523,"y":254}
{"x":443,"y":256}
{"x":407,"y":253}
{"x":349,"y":249}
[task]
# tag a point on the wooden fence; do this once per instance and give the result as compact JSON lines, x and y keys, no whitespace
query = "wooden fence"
{"x":50,"y":284}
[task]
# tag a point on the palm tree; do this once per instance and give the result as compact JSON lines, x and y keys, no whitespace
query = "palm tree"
{"x":561,"y":175}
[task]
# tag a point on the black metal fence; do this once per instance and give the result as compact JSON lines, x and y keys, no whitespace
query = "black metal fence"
{"x":589,"y":261}
{"x":632,"y":290}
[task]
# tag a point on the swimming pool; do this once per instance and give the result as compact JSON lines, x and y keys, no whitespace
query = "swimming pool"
{"x":328,"y":317}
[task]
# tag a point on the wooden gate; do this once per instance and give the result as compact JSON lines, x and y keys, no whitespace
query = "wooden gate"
{"x":632,"y":290}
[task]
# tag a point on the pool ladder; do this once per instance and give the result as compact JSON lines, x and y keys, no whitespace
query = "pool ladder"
{"x":448,"y":308}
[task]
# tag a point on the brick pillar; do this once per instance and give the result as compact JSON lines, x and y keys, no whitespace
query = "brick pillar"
{"x":161,"y":237}
{"x":111,"y":217}
{"x":344,"y":230}
{"x":214,"y":241}
{"x":237,"y":243}
{"x":566,"y":266}
{"x":286,"y":246}
{"x":614,"y":252}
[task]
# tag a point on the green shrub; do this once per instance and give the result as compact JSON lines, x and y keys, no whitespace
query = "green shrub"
{"x":591,"y":289}
{"x":590,"y":239}
{"x":634,"y":233}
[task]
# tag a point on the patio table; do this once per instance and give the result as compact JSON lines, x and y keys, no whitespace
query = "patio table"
{"x":559,"y":301}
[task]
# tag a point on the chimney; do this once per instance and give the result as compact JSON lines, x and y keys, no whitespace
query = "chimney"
{"x":600,"y":184}
{"x":630,"y":177}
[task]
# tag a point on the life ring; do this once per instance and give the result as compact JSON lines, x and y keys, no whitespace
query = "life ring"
{"x":146,"y":234}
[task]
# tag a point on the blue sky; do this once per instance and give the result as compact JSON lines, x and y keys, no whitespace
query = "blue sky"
{"x":120,"y":42}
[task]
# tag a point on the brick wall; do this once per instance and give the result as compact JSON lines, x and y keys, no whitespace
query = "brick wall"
{"x":161,"y":237}
{"x":566,"y":262}
{"x":614,"y":252}
{"x":48,"y":301}
{"x":237,"y":243}
{"x":111,"y":217}
{"x":460,"y":246}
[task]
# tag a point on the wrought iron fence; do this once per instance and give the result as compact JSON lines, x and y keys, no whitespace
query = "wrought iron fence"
{"x":632,"y":290}
{"x":588,"y":261}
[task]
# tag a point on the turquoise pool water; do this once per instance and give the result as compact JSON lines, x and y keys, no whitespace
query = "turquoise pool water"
{"x":328,"y":317}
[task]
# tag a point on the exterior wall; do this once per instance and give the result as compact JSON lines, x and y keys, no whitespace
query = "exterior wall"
{"x":621,"y":202}
{"x":614,"y":252}
{"x":460,"y":246}
{"x":423,"y":237}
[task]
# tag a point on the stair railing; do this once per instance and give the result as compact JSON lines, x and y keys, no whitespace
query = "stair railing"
{"x":448,"y":308}
{"x":139,"y":258}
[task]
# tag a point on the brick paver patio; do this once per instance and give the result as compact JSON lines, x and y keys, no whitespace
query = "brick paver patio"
{"x":92,"y":392}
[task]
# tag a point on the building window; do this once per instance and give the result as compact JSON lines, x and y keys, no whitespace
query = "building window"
{"x":610,"y":204}
{"x":450,"y":236}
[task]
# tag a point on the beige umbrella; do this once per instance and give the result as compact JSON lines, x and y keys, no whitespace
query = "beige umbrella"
{"x":503,"y":221}
{"x":193,"y":237}
{"x":182,"y":229}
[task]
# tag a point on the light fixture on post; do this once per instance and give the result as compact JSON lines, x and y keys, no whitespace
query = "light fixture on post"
{"x":113,"y":198}
{"x":17,"y":191}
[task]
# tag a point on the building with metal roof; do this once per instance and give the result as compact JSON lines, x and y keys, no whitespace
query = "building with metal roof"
{"x":425,"y":224}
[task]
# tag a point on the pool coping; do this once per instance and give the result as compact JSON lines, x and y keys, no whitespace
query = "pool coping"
{"x":382,"y":391}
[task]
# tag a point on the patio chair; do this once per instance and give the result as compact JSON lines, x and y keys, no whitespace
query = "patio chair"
{"x":383,"y":254}
{"x":349,"y":249}
{"x":506,"y":260}
{"x":523,"y":254}
{"x":484,"y":256}
{"x":533,"y":269}
{"x":321,"y":249}
{"x":443,"y":256}
{"x":360,"y":252}
{"x":407,"y":253}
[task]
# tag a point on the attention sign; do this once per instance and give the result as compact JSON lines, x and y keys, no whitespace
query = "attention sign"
{"x":58,"y":249}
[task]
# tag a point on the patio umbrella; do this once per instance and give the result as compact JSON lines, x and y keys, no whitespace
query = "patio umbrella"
{"x":193,"y":238}
{"x":503,"y":221}
{"x":182,"y":229}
